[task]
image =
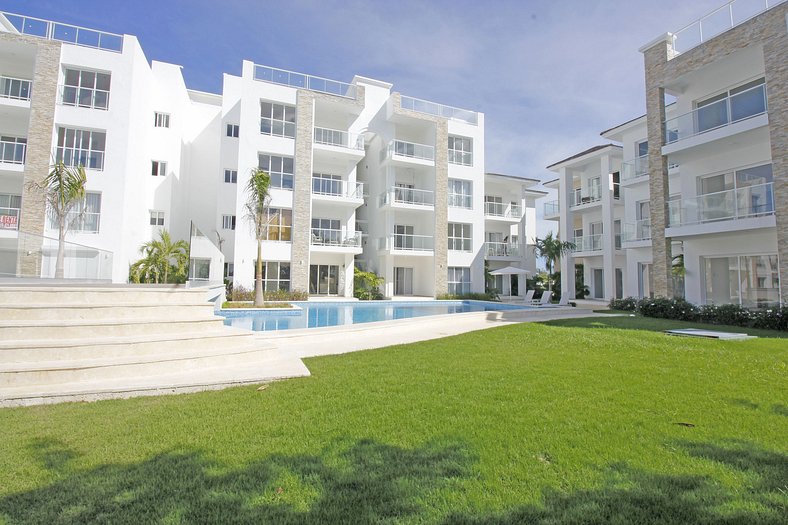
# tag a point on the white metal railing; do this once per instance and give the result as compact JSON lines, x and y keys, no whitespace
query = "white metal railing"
{"x":639,"y":231}
{"x":337,"y":188}
{"x":343,"y":139}
{"x":588,"y":243}
{"x":9,"y":218}
{"x":84,"y":97}
{"x":332,"y":237}
{"x":500,"y":209}
{"x":300,"y":80}
{"x":398,"y":195}
{"x":740,"y":203}
{"x":634,"y":169}
{"x":15,"y":88}
{"x":502,"y":249}
{"x":13,"y":152}
{"x":718,"y":21}
{"x":552,"y":207}
{"x":746,"y":104}
{"x":578,"y":199}
{"x":80,"y":36}
{"x":410,"y":150}
{"x":439,"y":110}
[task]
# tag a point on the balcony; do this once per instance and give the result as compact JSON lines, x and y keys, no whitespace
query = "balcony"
{"x":632,"y":170}
{"x":69,"y":34}
{"x":409,"y":153}
{"x":15,"y":88}
{"x":13,"y":153}
{"x":588,"y":243}
{"x":439,"y":110}
{"x":335,"y":190}
{"x":716,"y":115}
{"x":336,"y":145}
{"x":300,"y":80}
{"x":408,"y":197}
{"x":503,"y":250}
{"x":551,"y":208}
{"x":730,"y":205}
{"x":637,"y":232}
{"x":501,"y":211}
{"x":580,"y":199}
{"x":340,"y":240}
{"x":407,"y":243}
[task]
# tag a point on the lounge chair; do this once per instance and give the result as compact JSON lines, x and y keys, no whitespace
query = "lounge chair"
{"x":563,"y":302}
{"x":545,"y":299}
{"x":529,"y":296}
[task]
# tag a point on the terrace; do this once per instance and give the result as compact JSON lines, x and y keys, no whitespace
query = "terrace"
{"x":66,"y":33}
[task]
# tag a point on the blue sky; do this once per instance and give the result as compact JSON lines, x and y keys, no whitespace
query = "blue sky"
{"x":548,"y":74}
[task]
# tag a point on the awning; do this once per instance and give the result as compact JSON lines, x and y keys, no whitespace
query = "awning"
{"x":509,"y":270}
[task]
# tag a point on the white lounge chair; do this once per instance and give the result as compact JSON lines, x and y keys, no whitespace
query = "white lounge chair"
{"x":529,"y":296}
{"x":545,"y":299}
{"x":563,"y":302}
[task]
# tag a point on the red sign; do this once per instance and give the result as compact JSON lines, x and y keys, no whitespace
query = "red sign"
{"x":8,"y":222}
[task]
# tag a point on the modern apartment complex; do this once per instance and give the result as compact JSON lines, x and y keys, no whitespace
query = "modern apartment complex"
{"x":691,"y":199}
{"x":361,"y":175}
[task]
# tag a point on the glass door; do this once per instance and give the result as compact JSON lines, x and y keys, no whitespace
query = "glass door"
{"x":323,"y":279}
{"x":403,"y":281}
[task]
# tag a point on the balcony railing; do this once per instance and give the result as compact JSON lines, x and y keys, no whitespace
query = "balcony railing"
{"x":499,"y":209}
{"x":69,"y":34}
{"x":337,"y":188}
{"x":719,"y":21}
{"x":343,"y":139}
{"x":331,"y":237}
{"x":634,"y":169}
{"x":588,"y":243}
{"x":729,"y":110}
{"x":84,"y":97}
{"x":300,"y":80}
{"x":578,"y":199}
{"x":412,"y":196}
{"x":439,"y":110}
{"x":13,"y":152}
{"x":552,"y":208}
{"x":639,"y":231}
{"x":502,"y":249}
{"x":410,"y":150}
{"x":15,"y":88}
{"x":407,"y":242}
{"x":9,"y":218}
{"x":741,"y":203}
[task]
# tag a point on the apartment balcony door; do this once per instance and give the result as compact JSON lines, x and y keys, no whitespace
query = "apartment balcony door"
{"x":323,"y":279}
{"x":599,"y":283}
{"x":619,"y":283}
{"x":403,"y":281}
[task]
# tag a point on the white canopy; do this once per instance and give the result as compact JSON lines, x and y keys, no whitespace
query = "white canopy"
{"x":509,"y":270}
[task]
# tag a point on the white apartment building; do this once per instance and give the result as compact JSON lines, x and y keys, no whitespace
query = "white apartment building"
{"x":361,"y":175}
{"x":694,"y":200}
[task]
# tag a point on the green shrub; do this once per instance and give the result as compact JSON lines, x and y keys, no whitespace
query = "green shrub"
{"x":775,"y":318}
{"x":488,"y":296}
{"x":627,"y":304}
{"x":241,"y":293}
{"x":664,"y":308}
{"x":366,"y":285}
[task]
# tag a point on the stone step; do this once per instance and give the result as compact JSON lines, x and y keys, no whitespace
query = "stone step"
{"x":270,"y":366}
{"x":14,"y":295}
{"x":76,"y":328}
{"x":32,"y":350}
{"x":129,"y":310}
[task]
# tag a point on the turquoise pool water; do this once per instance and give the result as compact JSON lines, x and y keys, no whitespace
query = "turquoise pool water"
{"x":319,"y":314}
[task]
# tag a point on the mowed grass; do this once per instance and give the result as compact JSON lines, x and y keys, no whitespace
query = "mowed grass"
{"x":599,"y":420}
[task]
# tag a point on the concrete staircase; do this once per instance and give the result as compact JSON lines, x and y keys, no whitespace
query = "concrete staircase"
{"x":68,"y":343}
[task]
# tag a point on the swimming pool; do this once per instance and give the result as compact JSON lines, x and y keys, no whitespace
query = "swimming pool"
{"x":320,"y":314}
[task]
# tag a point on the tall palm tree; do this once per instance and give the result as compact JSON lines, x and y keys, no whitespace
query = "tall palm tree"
{"x":63,"y":189}
{"x":257,"y":197}
{"x":161,"y":257}
{"x":552,"y":249}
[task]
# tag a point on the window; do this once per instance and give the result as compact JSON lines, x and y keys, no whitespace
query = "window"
{"x":10,"y":206}
{"x":277,"y":119}
{"x":642,"y":148}
{"x":326,"y":184}
{"x":79,"y":147}
{"x":233,"y":130}
{"x":326,"y":231}
{"x":231,"y":176}
{"x":85,"y":215}
{"x":744,"y":101}
{"x":493,"y":205}
{"x":280,"y":224}
{"x":742,"y":193}
{"x":13,"y":149}
{"x":459,"y":237}
{"x":403,"y":237}
{"x":158,"y":168}
{"x":161,"y":120}
{"x":279,"y":168}
{"x":86,"y":89}
{"x":157,"y":218}
{"x":229,"y":270}
{"x":752,"y":281}
{"x":459,"y":280}
{"x":460,"y":194}
{"x":228,"y":222}
{"x":199,"y":269}
{"x":276,"y":275}
{"x":461,"y":150}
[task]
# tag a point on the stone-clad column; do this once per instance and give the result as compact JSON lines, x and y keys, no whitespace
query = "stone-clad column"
{"x":302,"y":196}
{"x":441,"y":206}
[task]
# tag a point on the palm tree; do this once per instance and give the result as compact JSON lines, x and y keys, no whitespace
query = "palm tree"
{"x":257,"y":197}
{"x":64,"y":189}
{"x":552,"y":249}
{"x":161,"y":257}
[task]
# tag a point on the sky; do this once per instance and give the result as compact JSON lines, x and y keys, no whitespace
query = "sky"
{"x":549,"y":75}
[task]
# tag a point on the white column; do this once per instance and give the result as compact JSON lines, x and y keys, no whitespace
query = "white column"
{"x":608,"y":234}
{"x":565,"y":229}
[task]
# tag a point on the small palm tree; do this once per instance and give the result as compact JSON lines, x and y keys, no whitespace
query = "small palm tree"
{"x":162,"y":256}
{"x":552,"y":249}
{"x":257,"y":197}
{"x":63,"y":189}
{"x":147,"y":269}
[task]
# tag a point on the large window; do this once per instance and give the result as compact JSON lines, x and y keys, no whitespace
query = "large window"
{"x":742,"y":193}
{"x":276,"y":275}
{"x":460,"y":193}
{"x":461,"y":150}
{"x":326,"y":231}
{"x":326,"y":184}
{"x":86,"y":89}
{"x":459,"y":237}
{"x":741,"y":102}
{"x":86,"y":215}
{"x":280,"y":224}
{"x":79,"y":147}
{"x":459,"y":280}
{"x":751,"y":281}
{"x":323,"y":279}
{"x":277,"y":119}
{"x":13,"y":149}
{"x":279,"y":168}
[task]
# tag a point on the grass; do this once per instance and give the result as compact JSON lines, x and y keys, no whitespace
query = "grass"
{"x":599,"y":420}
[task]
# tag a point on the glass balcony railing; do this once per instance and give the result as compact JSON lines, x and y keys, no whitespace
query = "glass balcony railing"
{"x":403,"y":241}
{"x":35,"y":257}
{"x":634,"y":169}
{"x":412,"y":196}
{"x":300,"y":80}
{"x":343,"y":139}
{"x":639,"y":231}
{"x":578,"y":199}
{"x":410,"y":150}
{"x":588,"y":243}
{"x":13,"y":152}
{"x":439,"y":110}
{"x":724,"y":112}
{"x":502,"y":249}
{"x":740,"y":203}
{"x":551,"y":208}
{"x":69,"y":34}
{"x":337,"y":188}
{"x":506,"y":211}
{"x":15,"y":88}
{"x":331,"y":237}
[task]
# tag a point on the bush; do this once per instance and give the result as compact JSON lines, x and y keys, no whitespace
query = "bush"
{"x":366,"y":285}
{"x":240,"y":293}
{"x":664,"y":308}
{"x":627,"y":304}
{"x":488,"y":296}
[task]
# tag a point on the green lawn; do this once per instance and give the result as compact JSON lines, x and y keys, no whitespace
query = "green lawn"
{"x":578,"y":421}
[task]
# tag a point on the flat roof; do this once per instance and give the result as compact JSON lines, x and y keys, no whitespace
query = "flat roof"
{"x":582,"y":153}
{"x":516,"y":177}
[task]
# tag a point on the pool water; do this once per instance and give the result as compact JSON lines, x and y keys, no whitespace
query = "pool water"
{"x":314,"y":314}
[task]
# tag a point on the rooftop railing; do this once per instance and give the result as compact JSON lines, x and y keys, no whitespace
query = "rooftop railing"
{"x":739,"y":203}
{"x":439,"y":110}
{"x":303,"y":81}
{"x":718,"y":21}
{"x":343,"y":139}
{"x":15,"y":88}
{"x":80,"y":36}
